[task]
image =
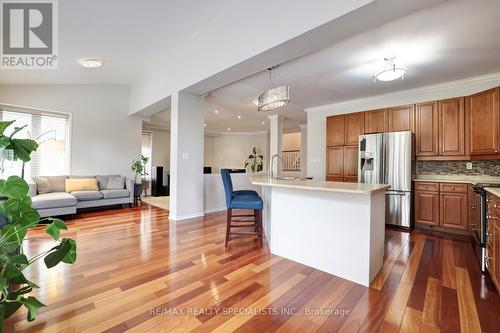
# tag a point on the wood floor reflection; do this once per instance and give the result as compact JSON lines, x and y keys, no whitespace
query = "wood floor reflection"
{"x":137,"y":272}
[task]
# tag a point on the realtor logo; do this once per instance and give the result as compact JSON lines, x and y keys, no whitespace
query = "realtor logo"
{"x":29,"y":34}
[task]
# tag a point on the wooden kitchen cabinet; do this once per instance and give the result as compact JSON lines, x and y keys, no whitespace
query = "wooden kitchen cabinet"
{"x":452,"y":127}
{"x":427,"y":207}
{"x":440,"y":129}
{"x":354,"y":126}
{"x":453,"y":210}
{"x":441,"y":204}
{"x":342,"y":164}
{"x":335,"y":131}
{"x":473,"y":209}
{"x":335,"y":162}
{"x":494,"y":256}
{"x":427,"y":129}
{"x":401,"y":118}
{"x":483,"y":114}
{"x":351,"y":163}
{"x":376,"y":121}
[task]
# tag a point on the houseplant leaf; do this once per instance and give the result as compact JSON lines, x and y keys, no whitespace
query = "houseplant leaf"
{"x":54,"y":258}
{"x":70,"y":257}
{"x":4,"y":125}
{"x":4,"y":142}
{"x":14,"y":187}
{"x":23,"y":148}
{"x":32,"y":304}
{"x":53,"y":229}
{"x":11,"y":308}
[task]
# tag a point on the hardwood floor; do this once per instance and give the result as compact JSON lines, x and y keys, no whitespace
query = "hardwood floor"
{"x":136,"y":272}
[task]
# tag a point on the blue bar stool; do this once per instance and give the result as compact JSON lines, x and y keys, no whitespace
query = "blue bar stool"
{"x":245,"y":199}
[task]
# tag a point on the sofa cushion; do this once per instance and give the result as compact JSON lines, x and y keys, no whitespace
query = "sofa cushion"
{"x":102,"y":180}
{"x":53,"y":200}
{"x":80,"y":177}
{"x":87,"y":184}
{"x":87,"y":195}
{"x":112,"y":194}
{"x":48,"y":184}
{"x":116,"y":183}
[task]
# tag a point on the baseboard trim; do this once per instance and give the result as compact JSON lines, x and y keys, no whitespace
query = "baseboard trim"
{"x":186,"y":217}
{"x":214,"y":210}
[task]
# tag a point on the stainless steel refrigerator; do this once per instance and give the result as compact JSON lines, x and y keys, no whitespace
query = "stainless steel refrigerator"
{"x":386,"y":158}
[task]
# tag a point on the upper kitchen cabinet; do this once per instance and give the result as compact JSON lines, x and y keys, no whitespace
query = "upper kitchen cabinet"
{"x":440,"y":129}
{"x":335,"y":131}
{"x":483,"y":115}
{"x":427,"y":129}
{"x":376,"y":121}
{"x":354,"y":127}
{"x":401,"y":118}
{"x":452,"y":127}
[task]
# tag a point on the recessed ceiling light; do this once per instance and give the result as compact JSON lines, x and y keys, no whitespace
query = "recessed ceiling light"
{"x":263,"y":123}
{"x":204,"y":125}
{"x":239,"y":117}
{"x":91,"y":62}
{"x":228,"y":128}
{"x":216,"y":111}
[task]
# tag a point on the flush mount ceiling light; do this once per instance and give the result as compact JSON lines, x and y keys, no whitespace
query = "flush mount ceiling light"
{"x":390,"y":71}
{"x":91,"y":62}
{"x":275,"y":97}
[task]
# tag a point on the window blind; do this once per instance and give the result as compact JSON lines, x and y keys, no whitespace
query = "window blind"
{"x":50,"y":130}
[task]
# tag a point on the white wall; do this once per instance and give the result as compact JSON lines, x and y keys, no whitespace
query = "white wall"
{"x":316,"y":117}
{"x":105,"y":139}
{"x":291,"y":141}
{"x":232,"y":149}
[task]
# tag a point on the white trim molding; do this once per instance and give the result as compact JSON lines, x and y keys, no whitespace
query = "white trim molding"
{"x":423,"y":94}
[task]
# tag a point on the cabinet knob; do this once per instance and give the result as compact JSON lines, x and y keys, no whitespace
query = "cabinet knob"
{"x":496,"y":151}
{"x":453,"y":188}
{"x":426,"y":186}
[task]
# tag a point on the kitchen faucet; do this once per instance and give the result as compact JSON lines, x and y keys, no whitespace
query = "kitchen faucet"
{"x":272,"y":163}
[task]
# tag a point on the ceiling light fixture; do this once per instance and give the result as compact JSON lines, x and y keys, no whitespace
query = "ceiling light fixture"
{"x":239,"y":117}
{"x":275,"y":97}
{"x":91,"y":62}
{"x":204,"y":125}
{"x":390,"y":71}
{"x":228,"y":129}
{"x":216,"y":111}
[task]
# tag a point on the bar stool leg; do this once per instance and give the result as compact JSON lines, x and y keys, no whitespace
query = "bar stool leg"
{"x":228,"y":226}
{"x":256,"y":219}
{"x":259,"y":215}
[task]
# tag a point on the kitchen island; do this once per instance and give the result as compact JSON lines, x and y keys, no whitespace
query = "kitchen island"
{"x":335,"y":227}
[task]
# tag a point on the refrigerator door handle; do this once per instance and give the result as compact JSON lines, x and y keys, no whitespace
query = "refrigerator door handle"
{"x":401,"y":193}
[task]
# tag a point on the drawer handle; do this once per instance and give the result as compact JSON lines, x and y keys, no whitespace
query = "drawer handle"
{"x":489,"y":217}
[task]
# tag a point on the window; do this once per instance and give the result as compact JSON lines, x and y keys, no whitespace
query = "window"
{"x":51,"y":131}
{"x":146,"y":149}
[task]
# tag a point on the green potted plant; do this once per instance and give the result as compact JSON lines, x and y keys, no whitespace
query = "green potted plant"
{"x":255,"y":161}
{"x":140,"y":173}
{"x":15,"y":206}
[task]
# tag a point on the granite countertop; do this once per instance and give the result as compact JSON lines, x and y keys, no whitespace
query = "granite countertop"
{"x":315,"y":185}
{"x":457,"y":179}
{"x":493,"y":190}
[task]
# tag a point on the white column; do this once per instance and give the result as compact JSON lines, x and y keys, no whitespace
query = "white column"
{"x":275,"y":140}
{"x":186,"y":156}
{"x":303,"y":150}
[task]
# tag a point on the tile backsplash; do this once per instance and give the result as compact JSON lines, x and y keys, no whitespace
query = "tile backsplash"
{"x":486,"y":168}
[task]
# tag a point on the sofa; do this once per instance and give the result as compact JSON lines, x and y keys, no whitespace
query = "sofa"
{"x":50,"y":198}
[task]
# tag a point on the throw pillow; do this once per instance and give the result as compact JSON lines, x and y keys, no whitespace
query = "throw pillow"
{"x":48,"y":184}
{"x":115,"y":183}
{"x":102,"y":182}
{"x":83,"y":184}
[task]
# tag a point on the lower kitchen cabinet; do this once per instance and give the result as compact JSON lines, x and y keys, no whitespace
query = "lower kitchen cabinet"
{"x":427,"y":207}
{"x":453,"y":210}
{"x":443,"y":205}
{"x":493,"y":239}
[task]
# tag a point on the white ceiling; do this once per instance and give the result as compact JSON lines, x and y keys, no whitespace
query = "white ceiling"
{"x":455,"y":40}
{"x":130,"y":36}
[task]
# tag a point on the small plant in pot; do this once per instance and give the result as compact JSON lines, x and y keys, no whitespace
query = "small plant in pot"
{"x":139,"y":169}
{"x":255,"y":161}
{"x":15,"y":207}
